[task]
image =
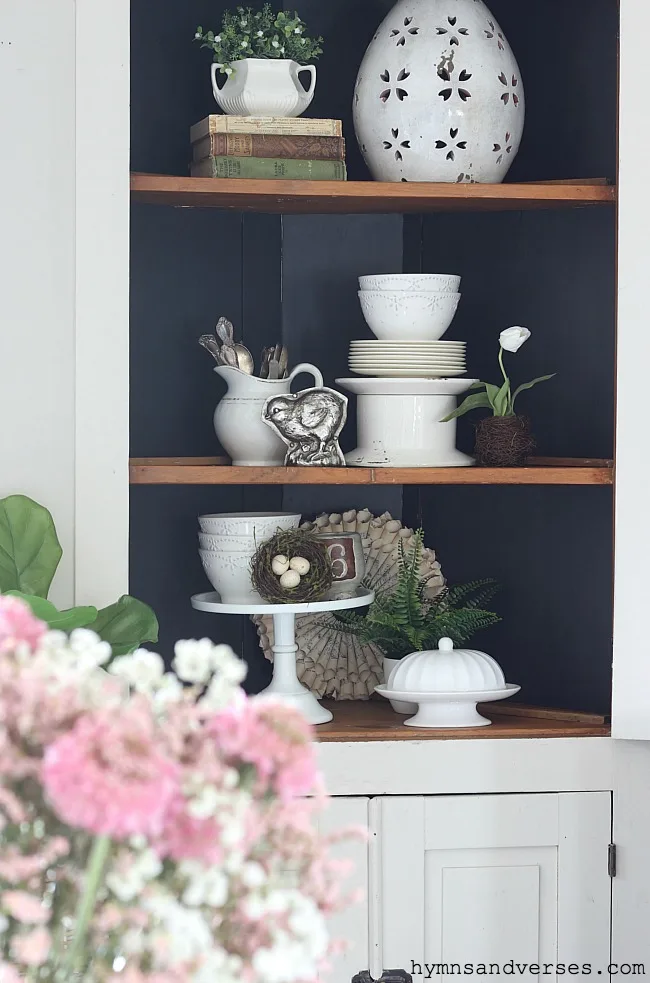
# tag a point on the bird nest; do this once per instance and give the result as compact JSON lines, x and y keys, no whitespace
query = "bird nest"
{"x":292,"y":543}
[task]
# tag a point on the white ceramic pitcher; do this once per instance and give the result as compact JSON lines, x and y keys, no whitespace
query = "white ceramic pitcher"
{"x":238,"y":418}
{"x":264,"y":87}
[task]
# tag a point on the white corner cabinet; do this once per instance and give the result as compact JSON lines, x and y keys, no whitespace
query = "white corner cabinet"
{"x":480,"y":848}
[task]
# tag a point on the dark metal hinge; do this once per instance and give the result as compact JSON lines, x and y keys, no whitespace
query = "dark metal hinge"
{"x":611,"y":860}
{"x":389,"y":976}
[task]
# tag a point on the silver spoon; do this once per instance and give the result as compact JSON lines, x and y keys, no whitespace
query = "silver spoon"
{"x":284,"y":362}
{"x":229,"y":356}
{"x":274,"y":369}
{"x":209,"y":342}
{"x":225,"y":331}
{"x":244,"y":358}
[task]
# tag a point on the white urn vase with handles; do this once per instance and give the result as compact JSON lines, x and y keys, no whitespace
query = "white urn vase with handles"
{"x":238,"y":422}
{"x":264,"y":87}
{"x":439,"y":96}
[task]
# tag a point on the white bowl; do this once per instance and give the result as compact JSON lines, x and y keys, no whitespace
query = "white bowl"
{"x":230,"y":575}
{"x":228,"y":544}
{"x":397,"y":316}
{"x":418,"y":282}
{"x":259,"y":525}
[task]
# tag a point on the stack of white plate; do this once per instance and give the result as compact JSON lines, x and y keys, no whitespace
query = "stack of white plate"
{"x":408,"y":359}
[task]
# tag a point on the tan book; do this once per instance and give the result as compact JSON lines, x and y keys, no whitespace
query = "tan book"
{"x":268,"y":145}
{"x":286,"y":125}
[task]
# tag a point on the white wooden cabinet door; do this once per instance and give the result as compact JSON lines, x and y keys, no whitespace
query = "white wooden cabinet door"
{"x":350,"y":925}
{"x":495,"y":879}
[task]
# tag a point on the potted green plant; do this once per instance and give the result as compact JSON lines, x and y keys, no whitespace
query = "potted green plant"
{"x":260,"y":55}
{"x":503,"y":439}
{"x":403,"y":620}
{"x":30,"y":553}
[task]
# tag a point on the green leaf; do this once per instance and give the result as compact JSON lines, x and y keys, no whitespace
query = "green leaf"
{"x":492,"y":392}
{"x":477,"y":401}
{"x":529,"y":385}
{"x":29,"y":547}
{"x":126,"y":625}
{"x":501,"y":399}
{"x":57,"y":620}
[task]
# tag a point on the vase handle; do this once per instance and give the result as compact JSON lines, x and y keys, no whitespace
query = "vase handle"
{"x":312,"y":84}
{"x":310,"y":370}
{"x":214,"y":68}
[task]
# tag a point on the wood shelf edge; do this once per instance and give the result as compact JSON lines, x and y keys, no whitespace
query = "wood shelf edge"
{"x":216,"y":471}
{"x":372,"y":721}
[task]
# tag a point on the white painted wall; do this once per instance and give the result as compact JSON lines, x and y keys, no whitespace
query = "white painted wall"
{"x":37,"y":192}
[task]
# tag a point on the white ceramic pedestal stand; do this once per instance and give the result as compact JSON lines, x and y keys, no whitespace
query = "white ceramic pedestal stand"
{"x":285,"y":685}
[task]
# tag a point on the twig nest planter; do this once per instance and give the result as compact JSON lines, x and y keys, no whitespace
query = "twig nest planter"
{"x":293,"y":567}
{"x":503,"y":441}
{"x":446,"y":684}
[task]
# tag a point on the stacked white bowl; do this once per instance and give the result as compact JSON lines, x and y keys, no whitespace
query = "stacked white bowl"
{"x":227,"y":543}
{"x":408,"y":313}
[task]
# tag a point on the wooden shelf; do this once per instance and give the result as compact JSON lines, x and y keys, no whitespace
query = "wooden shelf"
{"x":363,"y":196}
{"x":217,"y":471}
{"x":374,"y":721}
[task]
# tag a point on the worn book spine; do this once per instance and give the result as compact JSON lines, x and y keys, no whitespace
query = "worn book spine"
{"x":268,"y":145}
{"x":265,"y":167}
{"x":285,"y":125}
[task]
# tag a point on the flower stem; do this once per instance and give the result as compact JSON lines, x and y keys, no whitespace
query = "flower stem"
{"x":508,"y":408}
{"x":94,"y":873}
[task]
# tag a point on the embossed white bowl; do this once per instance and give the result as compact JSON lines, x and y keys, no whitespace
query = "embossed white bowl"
{"x":416,"y":282}
{"x":396,"y":315}
{"x":229,"y":544}
{"x":230,"y":575}
{"x":259,"y":525}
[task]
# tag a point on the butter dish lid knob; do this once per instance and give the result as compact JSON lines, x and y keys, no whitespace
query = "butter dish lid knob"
{"x":445,"y":645}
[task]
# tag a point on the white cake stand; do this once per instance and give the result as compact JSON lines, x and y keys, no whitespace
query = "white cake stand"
{"x":285,"y":685}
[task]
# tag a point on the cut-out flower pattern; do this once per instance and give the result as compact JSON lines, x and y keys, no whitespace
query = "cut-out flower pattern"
{"x":397,"y":145}
{"x":492,"y":34}
{"x":452,"y":145}
{"x":402,"y":33}
{"x":505,"y":98}
{"x":400,"y":91}
{"x":503,"y":148}
{"x":454,"y":84}
{"x":452,"y":30}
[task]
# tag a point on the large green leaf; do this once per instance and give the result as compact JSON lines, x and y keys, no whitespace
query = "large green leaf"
{"x":474,"y":402}
{"x":126,"y":625}
{"x":57,"y":620}
{"x":529,"y":385}
{"x":500,"y":404}
{"x":29,"y":547}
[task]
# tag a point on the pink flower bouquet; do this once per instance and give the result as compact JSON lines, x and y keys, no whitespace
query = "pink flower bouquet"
{"x":155,"y":827}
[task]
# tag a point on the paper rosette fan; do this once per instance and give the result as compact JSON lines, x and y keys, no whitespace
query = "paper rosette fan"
{"x":334,"y":664}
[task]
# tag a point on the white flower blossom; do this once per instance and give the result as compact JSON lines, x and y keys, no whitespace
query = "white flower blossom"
{"x":217,"y":38}
{"x":512,"y":339}
{"x":228,"y":71}
{"x":253,"y":875}
{"x":89,"y":649}
{"x":276,"y":44}
{"x":193,"y":660}
{"x":205,"y":804}
{"x":183,"y":932}
{"x":127,"y":884}
{"x":142,"y":669}
{"x":260,"y":34}
{"x":205,"y":886}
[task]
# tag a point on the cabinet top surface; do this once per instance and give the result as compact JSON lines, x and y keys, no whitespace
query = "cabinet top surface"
{"x":374,"y":721}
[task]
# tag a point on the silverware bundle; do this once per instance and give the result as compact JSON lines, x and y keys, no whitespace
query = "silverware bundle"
{"x":226,"y":351}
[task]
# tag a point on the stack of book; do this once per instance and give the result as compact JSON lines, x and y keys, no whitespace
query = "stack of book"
{"x":268,"y":147}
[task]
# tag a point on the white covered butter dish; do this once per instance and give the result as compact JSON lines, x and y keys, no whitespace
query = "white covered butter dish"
{"x":447,"y":683}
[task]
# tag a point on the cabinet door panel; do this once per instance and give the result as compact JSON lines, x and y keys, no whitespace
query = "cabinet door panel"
{"x":491,"y":879}
{"x":350,"y":925}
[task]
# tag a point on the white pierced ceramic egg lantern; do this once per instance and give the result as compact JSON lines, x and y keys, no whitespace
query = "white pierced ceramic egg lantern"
{"x":447,"y":684}
{"x":439,"y":96}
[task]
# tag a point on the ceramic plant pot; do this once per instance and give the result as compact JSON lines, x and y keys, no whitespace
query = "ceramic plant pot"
{"x":503,"y":441}
{"x":399,"y":706}
{"x":348,"y":563}
{"x":238,"y":422}
{"x":439,"y":96}
{"x":264,"y":87}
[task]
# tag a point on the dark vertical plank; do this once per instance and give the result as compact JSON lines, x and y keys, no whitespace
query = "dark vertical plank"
{"x":551,"y":551}
{"x":322,"y":257}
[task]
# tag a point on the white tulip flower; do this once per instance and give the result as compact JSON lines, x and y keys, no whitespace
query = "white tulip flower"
{"x":513,"y":338}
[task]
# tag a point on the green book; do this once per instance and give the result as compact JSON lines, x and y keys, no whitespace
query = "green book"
{"x":270,"y":167}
